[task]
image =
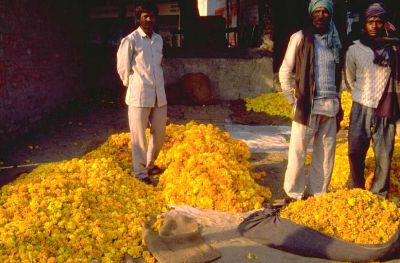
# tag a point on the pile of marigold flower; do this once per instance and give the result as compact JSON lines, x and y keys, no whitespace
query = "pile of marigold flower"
{"x":346,"y":106}
{"x":75,"y":211}
{"x":354,"y":215}
{"x":93,"y":207}
{"x":273,"y":104}
{"x":214,"y":165}
{"x":206,"y":168}
{"x":341,"y":171}
{"x":118,"y":148}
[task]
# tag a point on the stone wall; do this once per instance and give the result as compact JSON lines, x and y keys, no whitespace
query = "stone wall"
{"x":231,"y":78}
{"x":40,"y":62}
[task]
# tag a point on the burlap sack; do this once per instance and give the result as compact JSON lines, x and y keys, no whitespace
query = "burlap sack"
{"x":197,"y":88}
{"x":179,"y":241}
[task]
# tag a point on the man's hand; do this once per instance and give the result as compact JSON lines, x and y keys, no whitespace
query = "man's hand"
{"x":290,"y":98}
{"x":398,"y":127}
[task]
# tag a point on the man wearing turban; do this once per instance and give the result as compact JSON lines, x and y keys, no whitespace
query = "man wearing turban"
{"x":372,"y":75}
{"x":313,"y":55}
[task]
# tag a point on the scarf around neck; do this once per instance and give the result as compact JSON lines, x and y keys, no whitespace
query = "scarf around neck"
{"x":382,"y":48}
{"x":333,"y":36}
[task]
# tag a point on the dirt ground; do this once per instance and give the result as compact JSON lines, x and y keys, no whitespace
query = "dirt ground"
{"x":84,"y":127}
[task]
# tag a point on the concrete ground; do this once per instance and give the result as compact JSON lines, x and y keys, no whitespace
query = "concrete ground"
{"x":83,"y":129}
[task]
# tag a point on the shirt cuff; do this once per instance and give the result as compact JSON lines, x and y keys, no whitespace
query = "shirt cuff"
{"x":290,"y":98}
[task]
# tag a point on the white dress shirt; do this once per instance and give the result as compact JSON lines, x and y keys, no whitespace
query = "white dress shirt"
{"x":139,"y":67}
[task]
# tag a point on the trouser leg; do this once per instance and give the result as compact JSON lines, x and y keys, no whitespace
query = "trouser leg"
{"x":383,"y":144}
{"x":138,"y":121}
{"x":158,"y":120}
{"x":359,"y":140}
{"x":323,"y":155}
{"x":295,"y":178}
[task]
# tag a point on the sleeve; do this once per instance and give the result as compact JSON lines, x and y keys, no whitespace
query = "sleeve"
{"x":288,"y":64}
{"x":124,"y":58}
{"x":350,"y":69}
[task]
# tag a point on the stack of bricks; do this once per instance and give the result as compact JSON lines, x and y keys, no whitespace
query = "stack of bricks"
{"x":40,"y":63}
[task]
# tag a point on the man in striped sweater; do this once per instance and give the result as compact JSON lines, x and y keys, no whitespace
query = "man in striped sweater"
{"x":313,"y":55}
{"x":372,"y":74}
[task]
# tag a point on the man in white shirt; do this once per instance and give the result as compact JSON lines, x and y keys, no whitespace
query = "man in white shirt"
{"x":372,"y":74}
{"x":139,"y":67}
{"x":313,"y":55}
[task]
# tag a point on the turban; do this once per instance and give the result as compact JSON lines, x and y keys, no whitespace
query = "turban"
{"x":314,"y":4}
{"x":375,"y":9}
{"x":333,"y":36}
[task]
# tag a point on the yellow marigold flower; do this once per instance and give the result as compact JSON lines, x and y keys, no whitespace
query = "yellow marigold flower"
{"x":346,"y":106}
{"x":341,"y":171}
{"x":208,"y":169}
{"x":354,"y":215}
{"x":273,"y":104}
{"x":75,"y":210}
{"x":93,"y":208}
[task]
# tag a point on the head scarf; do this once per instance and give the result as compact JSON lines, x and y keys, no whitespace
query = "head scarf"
{"x":381,"y":46}
{"x":377,"y":9}
{"x":385,"y":55}
{"x":314,"y":4}
{"x":333,"y":35}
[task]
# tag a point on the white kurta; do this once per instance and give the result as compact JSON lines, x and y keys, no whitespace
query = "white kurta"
{"x":139,"y":67}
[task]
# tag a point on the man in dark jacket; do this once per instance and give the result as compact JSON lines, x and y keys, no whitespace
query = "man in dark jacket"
{"x":313,"y":55}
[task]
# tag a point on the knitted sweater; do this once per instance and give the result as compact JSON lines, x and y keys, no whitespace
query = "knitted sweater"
{"x":366,"y":80}
{"x":300,"y":57}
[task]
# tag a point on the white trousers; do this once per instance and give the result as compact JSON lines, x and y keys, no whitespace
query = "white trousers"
{"x":323,"y":130}
{"x":144,"y":155}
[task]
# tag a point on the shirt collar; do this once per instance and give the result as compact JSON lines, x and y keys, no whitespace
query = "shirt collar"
{"x":321,"y":37}
{"x":362,"y":46}
{"x":143,"y":34}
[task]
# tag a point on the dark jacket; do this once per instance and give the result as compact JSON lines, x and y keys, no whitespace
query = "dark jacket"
{"x":304,"y":77}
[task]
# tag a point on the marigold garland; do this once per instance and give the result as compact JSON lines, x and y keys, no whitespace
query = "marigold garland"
{"x":354,"y":215}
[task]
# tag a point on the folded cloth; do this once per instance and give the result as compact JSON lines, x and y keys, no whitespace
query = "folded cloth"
{"x":179,"y":240}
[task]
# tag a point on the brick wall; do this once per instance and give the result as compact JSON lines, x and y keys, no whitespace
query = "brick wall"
{"x":40,"y":61}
